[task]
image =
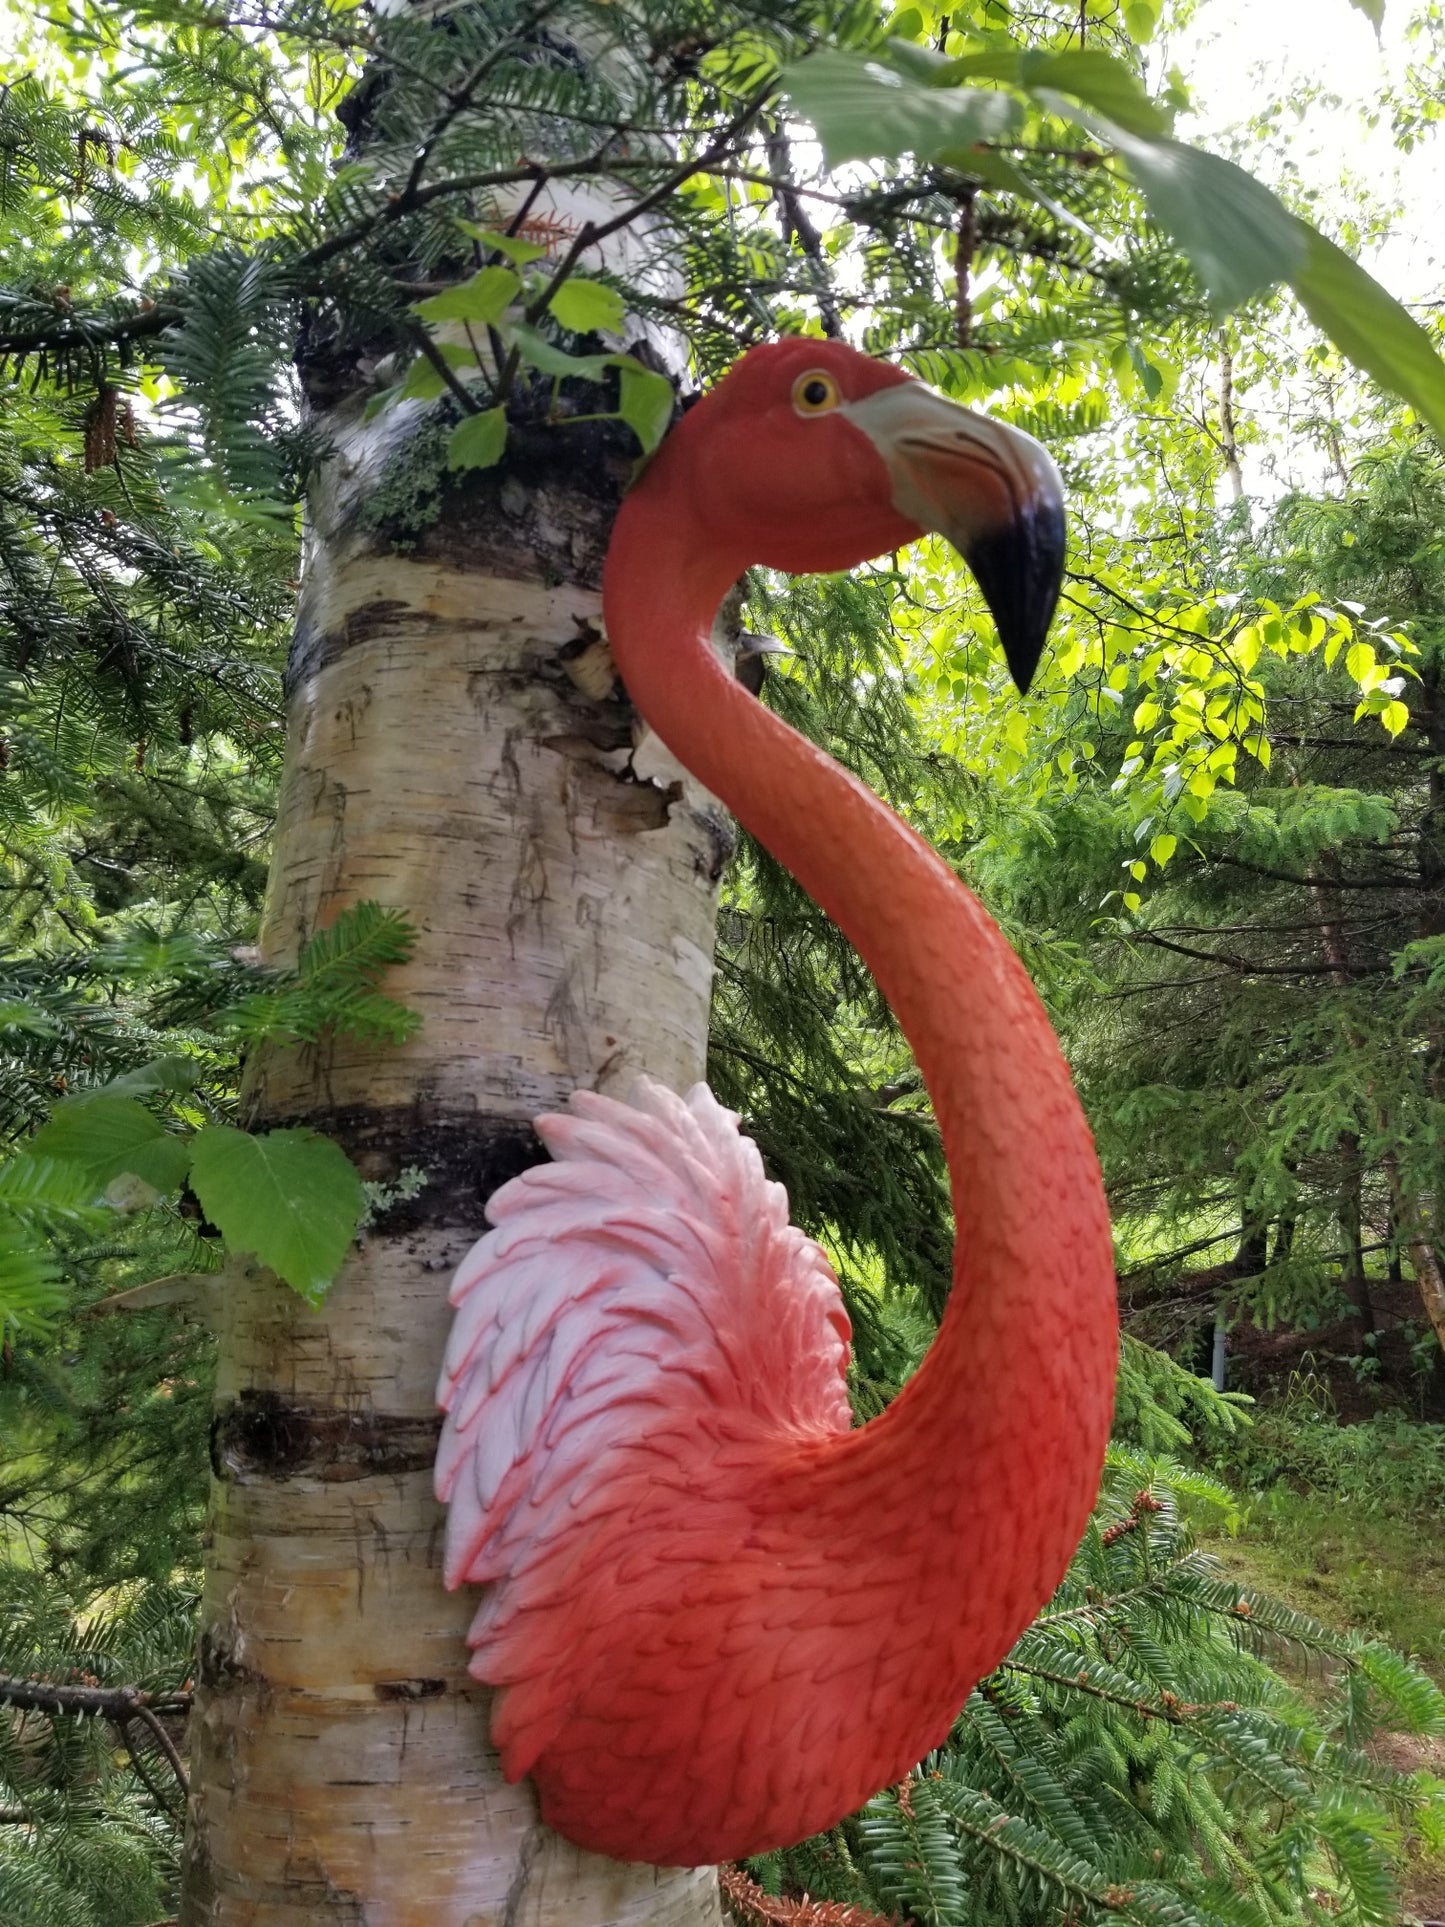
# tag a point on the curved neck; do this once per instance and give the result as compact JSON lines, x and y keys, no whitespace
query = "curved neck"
{"x":1019,"y":1384}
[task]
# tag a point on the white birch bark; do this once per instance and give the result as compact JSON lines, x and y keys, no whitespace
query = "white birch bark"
{"x":444,"y":758}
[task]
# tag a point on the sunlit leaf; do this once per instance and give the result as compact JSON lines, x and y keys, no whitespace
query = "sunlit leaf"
{"x":1369,"y":326}
{"x":587,"y":307}
{"x":862,"y":109}
{"x":485,"y":297}
{"x":511,"y":245}
{"x":1359,"y":661}
{"x":1140,"y":17}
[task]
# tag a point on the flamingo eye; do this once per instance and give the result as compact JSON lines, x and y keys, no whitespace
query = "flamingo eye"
{"x":815,"y":393}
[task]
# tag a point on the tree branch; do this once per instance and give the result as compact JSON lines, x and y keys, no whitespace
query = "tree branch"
{"x":1244,"y":966}
{"x":106,"y":1702}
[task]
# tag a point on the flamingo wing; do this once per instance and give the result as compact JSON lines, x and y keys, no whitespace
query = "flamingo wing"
{"x":641,"y":1313}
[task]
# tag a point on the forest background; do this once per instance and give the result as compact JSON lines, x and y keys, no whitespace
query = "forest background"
{"x":1215,"y":830}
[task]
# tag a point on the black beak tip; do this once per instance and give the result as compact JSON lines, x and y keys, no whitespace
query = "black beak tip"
{"x":1020,"y":570}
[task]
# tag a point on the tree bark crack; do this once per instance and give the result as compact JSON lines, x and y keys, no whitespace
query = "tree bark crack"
{"x":260,"y":1435}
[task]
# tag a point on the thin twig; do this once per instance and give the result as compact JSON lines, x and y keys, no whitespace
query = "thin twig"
{"x":166,"y":1744}
{"x":142,"y":1771}
{"x":797,"y":224}
{"x":459,"y":98}
{"x":444,"y":369}
{"x":963,"y":266}
{"x":592,"y":234}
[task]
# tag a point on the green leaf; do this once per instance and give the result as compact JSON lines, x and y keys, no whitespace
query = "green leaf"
{"x":1373,"y":10}
{"x":584,"y":307}
{"x":543,"y":355}
{"x":1395,"y":716}
{"x":1141,"y":17}
{"x":479,"y":441}
{"x":107,"y":1135}
{"x":863,"y":110}
{"x":293,"y":1198}
{"x":1359,"y":661}
{"x":485,"y":297}
{"x":423,"y":383}
{"x":1084,"y":74}
{"x":511,"y":245}
{"x":1369,"y":326}
{"x":1239,"y":237}
{"x":160,"y":1074}
{"x":646,"y":402}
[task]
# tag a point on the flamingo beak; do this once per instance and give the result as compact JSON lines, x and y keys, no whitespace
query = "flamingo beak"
{"x":992,"y":490}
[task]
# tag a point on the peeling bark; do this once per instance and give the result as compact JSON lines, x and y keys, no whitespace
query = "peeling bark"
{"x":561,"y":873}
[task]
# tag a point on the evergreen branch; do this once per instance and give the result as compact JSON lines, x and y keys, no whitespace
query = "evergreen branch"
{"x":590,"y":234}
{"x":752,"y":1907}
{"x":1234,"y":964}
{"x":1404,"y":882}
{"x":982,"y":1819}
{"x":396,"y":208}
{"x":57,"y":1698}
{"x":460,"y":97}
{"x":71,"y":332}
{"x":1172,"y":1711}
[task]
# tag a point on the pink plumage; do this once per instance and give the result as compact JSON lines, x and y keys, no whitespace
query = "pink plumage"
{"x":718,"y":1618}
{"x":642,"y":1325}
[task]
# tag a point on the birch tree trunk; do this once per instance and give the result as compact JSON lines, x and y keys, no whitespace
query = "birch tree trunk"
{"x":445,"y":758}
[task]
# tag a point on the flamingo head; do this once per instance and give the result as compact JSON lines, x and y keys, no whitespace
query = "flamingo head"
{"x":811,"y":457}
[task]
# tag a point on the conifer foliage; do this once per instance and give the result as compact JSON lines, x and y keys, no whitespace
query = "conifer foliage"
{"x":223,"y":222}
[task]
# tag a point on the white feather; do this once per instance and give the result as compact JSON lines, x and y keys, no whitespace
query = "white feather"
{"x":634,"y":1295}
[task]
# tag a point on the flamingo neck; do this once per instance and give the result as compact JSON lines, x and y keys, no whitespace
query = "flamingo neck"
{"x":1004,"y":1423}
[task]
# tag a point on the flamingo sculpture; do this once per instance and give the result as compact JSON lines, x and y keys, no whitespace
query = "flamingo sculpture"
{"x":720,"y":1618}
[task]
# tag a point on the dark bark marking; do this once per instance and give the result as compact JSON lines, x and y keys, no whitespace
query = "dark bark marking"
{"x":312,"y":650}
{"x":259,"y":1435}
{"x":390,"y":1690}
{"x":522,"y":1878}
{"x":623,"y":803}
{"x":722,"y":843}
{"x":217,"y":1667}
{"x":465,"y":1158}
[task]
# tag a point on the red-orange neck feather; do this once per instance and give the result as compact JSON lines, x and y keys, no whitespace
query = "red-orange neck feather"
{"x":965,"y":1500}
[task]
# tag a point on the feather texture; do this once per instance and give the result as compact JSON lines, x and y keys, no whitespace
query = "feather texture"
{"x":717,"y":1618}
{"x":643,"y":1315}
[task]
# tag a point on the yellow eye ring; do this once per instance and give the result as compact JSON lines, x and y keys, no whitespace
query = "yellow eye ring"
{"x":816,"y":392}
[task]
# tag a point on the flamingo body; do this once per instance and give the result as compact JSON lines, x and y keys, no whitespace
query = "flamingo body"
{"x":718,"y":1618}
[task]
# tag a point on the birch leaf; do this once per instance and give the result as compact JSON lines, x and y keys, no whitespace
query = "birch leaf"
{"x":293,"y":1198}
